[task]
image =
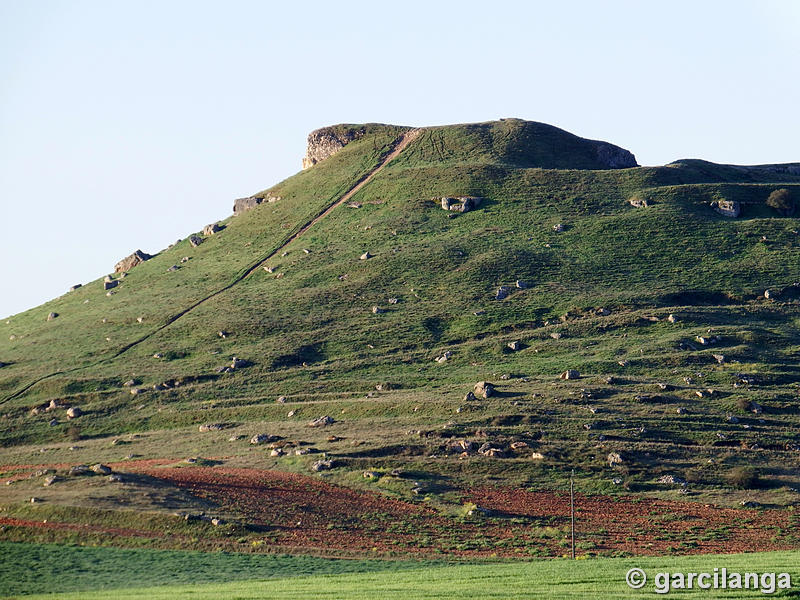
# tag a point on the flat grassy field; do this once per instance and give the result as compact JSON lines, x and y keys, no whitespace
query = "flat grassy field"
{"x":85,"y":572}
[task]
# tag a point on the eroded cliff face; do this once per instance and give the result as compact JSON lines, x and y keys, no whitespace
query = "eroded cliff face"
{"x":324,"y":143}
{"x":614,"y":157}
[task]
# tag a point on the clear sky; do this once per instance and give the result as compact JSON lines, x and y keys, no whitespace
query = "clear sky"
{"x":127,"y":125}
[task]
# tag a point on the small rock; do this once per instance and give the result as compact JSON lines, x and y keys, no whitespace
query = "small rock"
{"x":50,"y":480}
{"x":672,"y":319}
{"x":515,"y":345}
{"x":185,"y":259}
{"x":469,"y":397}
{"x":444,"y":357}
{"x":378,"y":310}
{"x":365,"y":256}
{"x":75,"y":287}
{"x":680,"y":410}
{"x":720,"y":358}
{"x":537,"y":456}
{"x":281,"y":400}
{"x":393,"y":300}
{"x":173,"y":268}
{"x":570,"y":374}
{"x":614,"y":459}
{"x":559,"y":227}
{"x":556,"y":335}
{"x":195,"y":241}
{"x":115,"y":478}
{"x":322,"y":421}
{"x":371,"y":475}
{"x":522,"y":284}
{"x":52,"y":316}
{"x":276,"y":452}
{"x":53,"y":422}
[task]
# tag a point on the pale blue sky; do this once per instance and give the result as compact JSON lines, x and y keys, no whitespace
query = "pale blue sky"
{"x":127,"y":125}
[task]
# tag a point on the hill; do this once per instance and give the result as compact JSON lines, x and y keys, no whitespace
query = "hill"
{"x":349,"y":291}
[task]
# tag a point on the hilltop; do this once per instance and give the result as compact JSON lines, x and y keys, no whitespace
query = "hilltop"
{"x":637,"y":324}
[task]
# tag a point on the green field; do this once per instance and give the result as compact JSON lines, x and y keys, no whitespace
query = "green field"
{"x":93,"y":573}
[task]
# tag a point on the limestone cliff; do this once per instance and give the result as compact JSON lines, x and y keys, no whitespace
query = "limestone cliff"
{"x":324,"y":143}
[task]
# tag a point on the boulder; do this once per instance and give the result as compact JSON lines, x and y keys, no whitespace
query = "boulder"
{"x":614,"y":459}
{"x":444,"y":357}
{"x":73,"y":412}
{"x":211,"y":427}
{"x":378,"y":310}
{"x":262,"y":438}
{"x":514,"y":346}
{"x":322,"y":465}
{"x":75,"y":287}
{"x":108,"y":285}
{"x":241,"y":205}
{"x":523,"y":285}
{"x":570,"y":374}
{"x":558,"y":227}
{"x":101,"y":469}
{"x":727,"y":208}
{"x":52,"y":316}
{"x":211,"y":229}
{"x":365,"y":256}
{"x":502,"y":292}
{"x":127,"y":263}
{"x":469,"y":397}
{"x":638,"y":202}
{"x":79,"y":470}
{"x":484,"y":389}
{"x":322,"y":421}
{"x":195,"y":240}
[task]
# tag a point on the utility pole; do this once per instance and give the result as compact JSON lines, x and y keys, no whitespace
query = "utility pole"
{"x":572,"y":508}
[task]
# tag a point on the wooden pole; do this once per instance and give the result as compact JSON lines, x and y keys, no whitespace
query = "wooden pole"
{"x":572,"y":509}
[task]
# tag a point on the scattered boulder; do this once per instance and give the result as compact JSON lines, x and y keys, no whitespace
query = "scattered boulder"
{"x":672,"y":319}
{"x":614,"y":459}
{"x":322,"y":465}
{"x":239,"y":363}
{"x":50,"y":480}
{"x":322,"y":421}
{"x":115,"y":478}
{"x":195,"y":240}
{"x":378,"y":310}
{"x":127,"y":263}
{"x":173,"y":268}
{"x":469,"y":397}
{"x":556,"y":335}
{"x":484,"y":389}
{"x":263,"y":438}
{"x":558,"y":227}
{"x":444,"y":357}
{"x":211,"y":229}
{"x":52,"y":316}
{"x":211,"y":427}
{"x":523,"y":285}
{"x":638,"y":202}
{"x":767,"y":294}
{"x":101,"y":469}
{"x":241,"y":205}
{"x":75,"y":287}
{"x":570,"y":374}
{"x":109,"y":285}
{"x":514,"y":346}
{"x":365,"y":256}
{"x":73,"y":412}
{"x":79,"y":470}
{"x":727,"y":208}
{"x":459,"y":203}
{"x":371,"y":475}
{"x":671,"y":480}
{"x":502,"y":292}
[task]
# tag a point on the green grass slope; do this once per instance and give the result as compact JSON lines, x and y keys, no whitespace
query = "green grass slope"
{"x":310,"y":332}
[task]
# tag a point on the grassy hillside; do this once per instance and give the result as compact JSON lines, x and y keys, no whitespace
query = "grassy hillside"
{"x":720,"y":416}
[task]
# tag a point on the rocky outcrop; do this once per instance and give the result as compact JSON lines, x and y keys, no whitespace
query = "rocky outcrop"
{"x":241,"y":205}
{"x":614,"y":157}
{"x":127,"y":263}
{"x":324,"y":143}
{"x":727,"y":208}
{"x":459,"y":203}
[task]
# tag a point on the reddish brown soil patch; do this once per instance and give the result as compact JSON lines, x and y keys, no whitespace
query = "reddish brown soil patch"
{"x":644,"y":525}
